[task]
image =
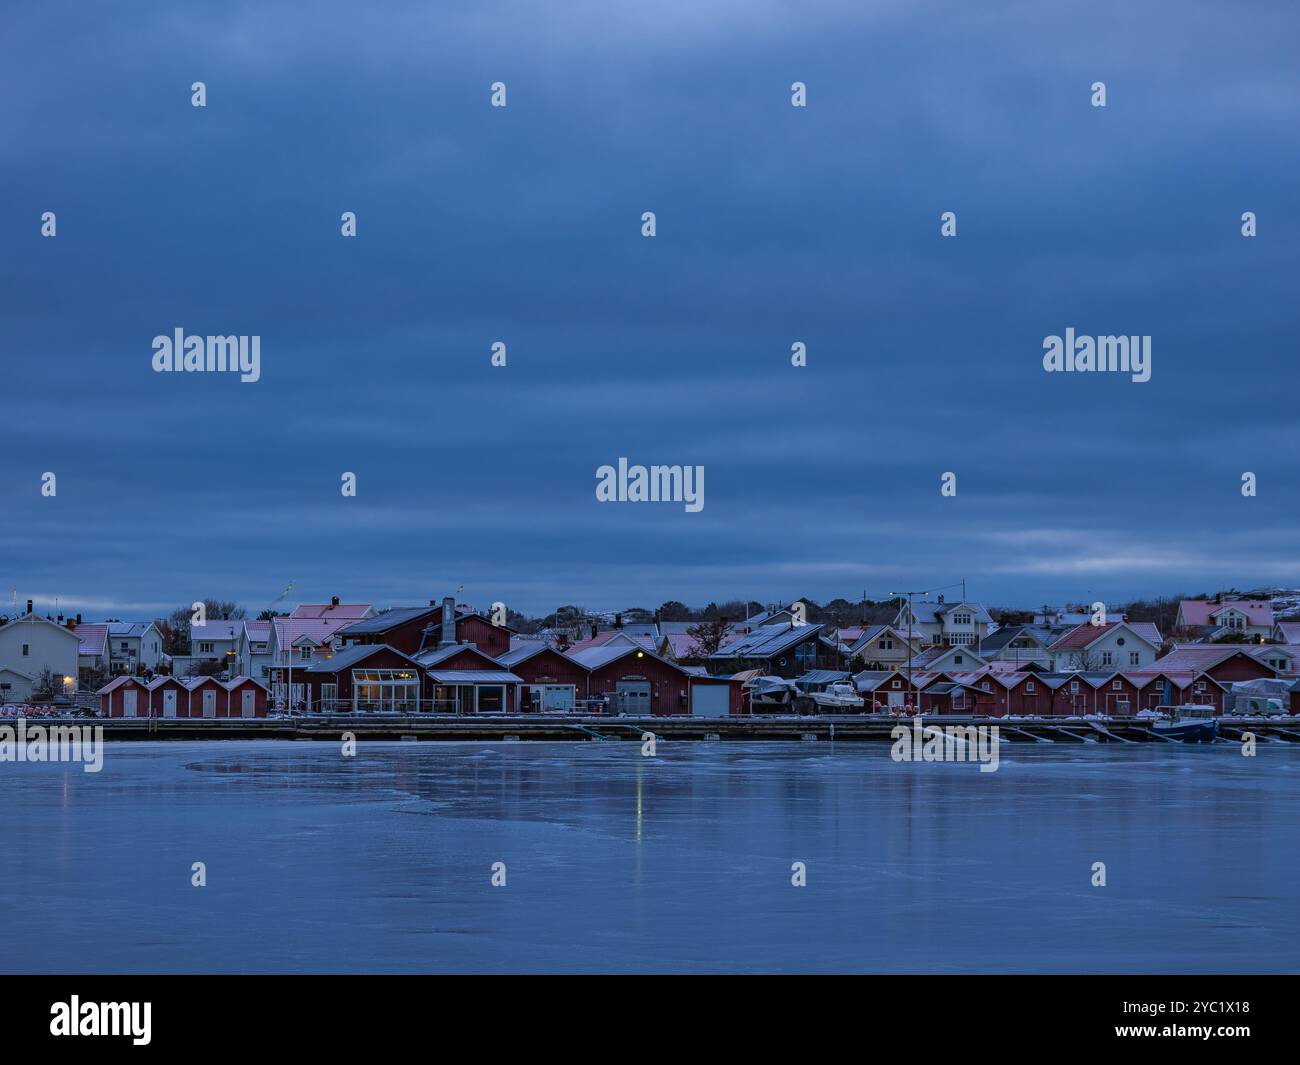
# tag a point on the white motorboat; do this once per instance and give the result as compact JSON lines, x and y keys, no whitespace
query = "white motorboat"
{"x":838,"y":697}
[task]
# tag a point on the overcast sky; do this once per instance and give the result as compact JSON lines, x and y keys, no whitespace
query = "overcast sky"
{"x":523,"y":225}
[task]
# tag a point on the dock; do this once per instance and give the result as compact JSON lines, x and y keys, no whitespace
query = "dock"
{"x":606,"y":729}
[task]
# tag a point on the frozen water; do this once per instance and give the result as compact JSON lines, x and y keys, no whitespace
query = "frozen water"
{"x":682,"y":862}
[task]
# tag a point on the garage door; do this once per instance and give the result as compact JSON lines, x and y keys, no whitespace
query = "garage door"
{"x":550,"y":698}
{"x":710,"y":700}
{"x":633,"y":697}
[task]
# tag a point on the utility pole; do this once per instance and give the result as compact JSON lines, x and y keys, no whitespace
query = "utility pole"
{"x":909,"y":638}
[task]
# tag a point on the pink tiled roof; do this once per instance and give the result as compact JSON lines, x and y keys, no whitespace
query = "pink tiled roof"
{"x":1197,"y":657}
{"x":683,"y":644}
{"x":288,"y":630}
{"x":330,"y":611}
{"x":1087,"y":634}
{"x":1290,"y":631}
{"x":1202,"y":611}
{"x":258,"y":631}
{"x":92,"y":638}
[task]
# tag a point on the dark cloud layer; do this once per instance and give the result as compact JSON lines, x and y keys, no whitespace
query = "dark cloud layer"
{"x":775,"y":224}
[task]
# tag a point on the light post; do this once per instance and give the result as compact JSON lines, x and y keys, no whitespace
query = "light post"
{"x":909,"y":639}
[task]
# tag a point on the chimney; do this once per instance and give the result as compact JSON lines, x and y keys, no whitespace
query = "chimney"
{"x":29,"y":606}
{"x":448,"y":622}
{"x":594,"y":632}
{"x":334,"y":600}
{"x":78,"y":619}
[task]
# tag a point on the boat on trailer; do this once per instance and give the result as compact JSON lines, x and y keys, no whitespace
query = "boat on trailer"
{"x":838,"y":697}
{"x":1189,"y":723}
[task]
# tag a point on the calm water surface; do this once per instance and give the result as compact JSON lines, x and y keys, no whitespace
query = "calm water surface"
{"x":615,"y":862}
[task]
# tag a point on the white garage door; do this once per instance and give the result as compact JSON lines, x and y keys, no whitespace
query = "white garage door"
{"x":710,"y":700}
{"x":553,"y":697}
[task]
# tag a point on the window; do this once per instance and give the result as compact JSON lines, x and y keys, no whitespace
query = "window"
{"x":1030,"y":689}
{"x":961,"y":619}
{"x":1135,"y":658}
{"x":1117,"y":685}
{"x":205,"y":648}
{"x":1074,"y":687}
{"x":304,"y":653}
{"x":386,"y":689}
{"x":957,"y":660}
{"x":123,"y":647}
{"x":1106,"y":658}
{"x":886,"y":644}
{"x":805,"y":653}
{"x":26,"y":650}
{"x":960,"y":639}
{"x":897,"y":684}
{"x":1200,"y":685}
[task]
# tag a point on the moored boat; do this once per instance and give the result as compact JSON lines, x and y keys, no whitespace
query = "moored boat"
{"x":1187,"y":724}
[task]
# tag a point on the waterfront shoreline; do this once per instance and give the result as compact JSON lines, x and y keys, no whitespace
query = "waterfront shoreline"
{"x":570,"y":728}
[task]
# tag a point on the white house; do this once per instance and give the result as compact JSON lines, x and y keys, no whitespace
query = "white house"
{"x":951,"y":624}
{"x":1285,"y":658}
{"x":1118,"y":645}
{"x":881,"y":647}
{"x":1226,"y":617}
{"x":256,"y":651}
{"x":216,"y":640}
{"x":134,"y":646}
{"x":948,"y":659}
{"x":15,"y":685}
{"x":1018,"y":644}
{"x":31,"y":644}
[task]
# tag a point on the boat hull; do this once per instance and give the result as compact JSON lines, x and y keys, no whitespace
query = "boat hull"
{"x":1188,"y":731}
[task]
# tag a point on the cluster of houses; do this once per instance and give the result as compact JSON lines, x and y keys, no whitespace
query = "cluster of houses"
{"x":445,"y":657}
